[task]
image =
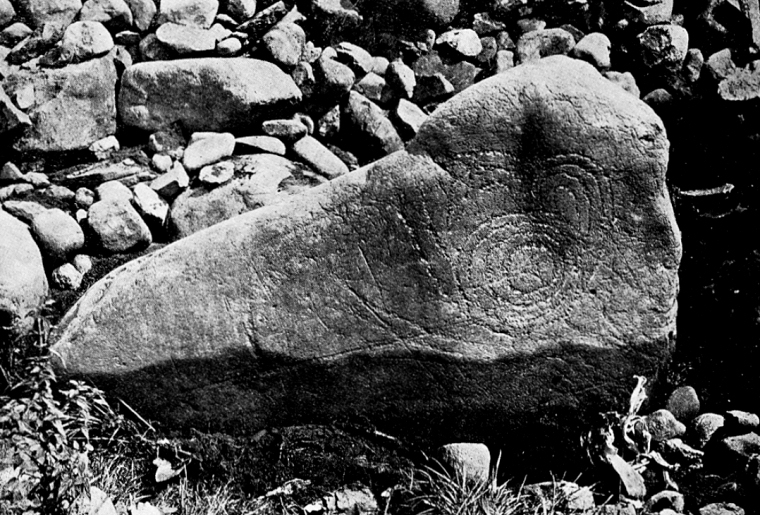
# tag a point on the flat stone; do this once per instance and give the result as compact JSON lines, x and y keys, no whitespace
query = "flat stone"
{"x":93,"y":175}
{"x":153,"y":208}
{"x":11,"y":173}
{"x":505,"y":61}
{"x":199,"y":13}
{"x":241,"y":9}
{"x":59,"y":193}
{"x":741,"y":85}
{"x":720,"y":65}
{"x":369,"y":294}
{"x":320,"y":158}
{"x":186,"y":39}
{"x":58,"y":234}
{"x":204,"y":94}
{"x":205,"y":148}
{"x":216,"y":174}
{"x":23,"y":283}
{"x":11,"y":117}
{"x":666,"y":499}
{"x":37,"y":179}
{"x":255,"y":144}
{"x":117,"y":226}
{"x":741,"y":422}
{"x":14,"y":34}
{"x":172,"y":183}
{"x":462,"y":41}
{"x":24,"y":210}
{"x":287,"y":130}
{"x":431,"y":88}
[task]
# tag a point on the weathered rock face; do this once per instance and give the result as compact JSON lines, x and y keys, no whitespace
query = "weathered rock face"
{"x":207,"y":94}
{"x":23,"y":285}
{"x":517,"y":262}
{"x":81,"y":96}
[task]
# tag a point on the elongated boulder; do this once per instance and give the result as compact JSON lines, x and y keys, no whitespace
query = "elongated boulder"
{"x":516,"y":264}
{"x":207,"y":94}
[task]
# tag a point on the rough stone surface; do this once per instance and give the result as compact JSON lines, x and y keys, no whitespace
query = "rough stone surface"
{"x":188,"y":12}
{"x":648,"y":12}
{"x":67,"y":277}
{"x":662,"y":425}
{"x":663,"y":46}
{"x":143,"y":12}
{"x":7,"y":12}
{"x":464,"y":41}
{"x":186,"y":39}
{"x":84,"y":40}
{"x":470,"y":460}
{"x":721,"y":508}
{"x":594,"y":48}
{"x":285,"y":44}
{"x":24,"y":210}
{"x":224,"y":93}
{"x":216,"y":174}
{"x":542,"y":43}
{"x":357,"y":58}
{"x":11,"y":117}
{"x":401,"y":78}
{"x":58,"y":234}
{"x":288,"y":130}
{"x":545,"y":275}
{"x":117,"y":226}
{"x":23,"y":284}
{"x":81,"y":95}
{"x":58,"y":12}
{"x":624,"y":80}
{"x":170,"y":184}
{"x":684,"y":403}
{"x":740,"y":422}
{"x":114,"y":14}
{"x":704,"y":427}
{"x":153,"y":209}
{"x":113,"y":190}
{"x":409,"y":118}
{"x":315,"y":154}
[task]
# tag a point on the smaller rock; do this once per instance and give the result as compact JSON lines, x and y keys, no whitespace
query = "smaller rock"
{"x":505,"y":60}
{"x":113,"y":14}
{"x":358,"y":59}
{"x":661,"y":101}
{"x":320,"y":158}
{"x":11,"y":173}
{"x":83,"y":263}
{"x":117,"y":226}
{"x":463,"y":41}
{"x":229,"y":47}
{"x":703,"y":427}
{"x":171,"y":184}
{"x":161,"y":162}
{"x":303,"y":76}
{"x":328,"y":125}
{"x":365,"y":124}
{"x":84,"y":40}
{"x":169,"y":141}
{"x":59,"y":193}
{"x":24,"y":210}
{"x":663,"y":46}
{"x":683,"y":403}
{"x":104,"y":147}
{"x":143,"y":12}
{"x":504,"y":41}
{"x":287,"y":130}
{"x":199,"y":13}
{"x":542,"y":43}
{"x":240,"y":9}
{"x":219,"y":32}
{"x":285,"y":43}
{"x":14,"y":34}
{"x":662,"y":425}
{"x":113,"y":191}
{"x":490,"y":48}
{"x":740,"y":422}
{"x":667,"y":499}
{"x":732,"y":454}
{"x":186,"y":39}
{"x":67,"y":277}
{"x":693,"y":64}
{"x":151,"y":49}
{"x":624,"y":80}
{"x":469,"y":460}
{"x":721,"y":508}
{"x":37,"y":179}
{"x":11,"y":117}
{"x":484,"y":25}
{"x":84,"y":198}
{"x":153,"y":209}
{"x":675,"y":450}
{"x":409,"y":118}
{"x":526,"y":25}
{"x":648,"y":13}
{"x":572,"y":497}
{"x":432,"y":88}
{"x":7,"y":12}
{"x":216,"y":174}
{"x":205,"y":148}
{"x":58,"y":234}
{"x":350,"y":501}
{"x":401,"y":78}
{"x":375,"y":88}
{"x":380,"y":65}
{"x":595,"y":49}
{"x":255,"y":144}
{"x":720,"y":64}
{"x":333,"y":79}
{"x":623,"y":508}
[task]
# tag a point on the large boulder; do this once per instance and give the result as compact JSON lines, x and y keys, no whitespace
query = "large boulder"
{"x":517,"y":264}
{"x":23,"y":284}
{"x":207,"y":94}
{"x":72,"y":107}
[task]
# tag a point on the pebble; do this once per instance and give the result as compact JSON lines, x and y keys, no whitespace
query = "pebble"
{"x":303,"y":76}
{"x":328,"y":125}
{"x":171,"y":183}
{"x":67,"y":277}
{"x":150,"y":205}
{"x":595,"y":49}
{"x":205,"y":148}
{"x":693,"y":64}
{"x":683,"y":402}
{"x":216,"y":174}
{"x":57,"y":233}
{"x":379,"y":65}
{"x":526,"y":25}
{"x":288,"y":130}
{"x":84,"y":198}
{"x":161,"y":162}
{"x":83,"y":263}
{"x":255,"y":144}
